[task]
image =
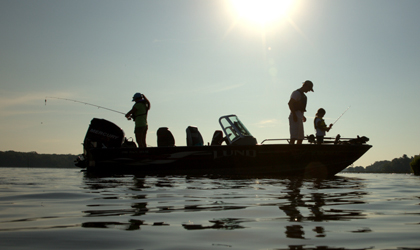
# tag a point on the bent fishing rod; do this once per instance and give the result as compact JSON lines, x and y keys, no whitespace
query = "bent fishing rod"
{"x":341,"y":115}
{"x":90,"y":104}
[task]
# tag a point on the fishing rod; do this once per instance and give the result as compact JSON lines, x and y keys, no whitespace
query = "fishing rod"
{"x":341,"y":115}
{"x":90,"y":104}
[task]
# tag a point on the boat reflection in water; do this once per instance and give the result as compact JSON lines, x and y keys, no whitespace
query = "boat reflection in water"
{"x":304,"y":206}
{"x":315,"y":202}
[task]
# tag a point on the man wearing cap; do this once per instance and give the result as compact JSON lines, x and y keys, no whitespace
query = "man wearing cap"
{"x":139,"y":114}
{"x":297,"y":106}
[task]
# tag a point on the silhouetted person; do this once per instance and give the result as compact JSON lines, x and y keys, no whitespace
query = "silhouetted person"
{"x":139,"y":114}
{"x":297,"y":106}
{"x":320,"y":126}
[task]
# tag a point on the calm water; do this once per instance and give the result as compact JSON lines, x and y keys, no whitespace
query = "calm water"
{"x":65,"y":209}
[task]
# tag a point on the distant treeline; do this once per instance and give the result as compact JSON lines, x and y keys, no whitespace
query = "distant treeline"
{"x":35,"y":160}
{"x":397,"y":165}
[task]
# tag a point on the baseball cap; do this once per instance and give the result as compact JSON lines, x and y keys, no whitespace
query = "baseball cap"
{"x":309,"y":84}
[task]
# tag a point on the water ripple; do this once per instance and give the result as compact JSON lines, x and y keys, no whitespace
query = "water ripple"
{"x":187,"y":212}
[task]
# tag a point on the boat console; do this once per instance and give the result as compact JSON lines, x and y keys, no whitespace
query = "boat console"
{"x":235,"y":131}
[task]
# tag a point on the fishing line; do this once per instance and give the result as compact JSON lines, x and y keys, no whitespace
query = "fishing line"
{"x":341,"y":115}
{"x":90,"y":104}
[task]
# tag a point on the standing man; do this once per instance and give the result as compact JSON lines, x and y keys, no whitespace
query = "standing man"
{"x":139,"y":114}
{"x":297,"y":106}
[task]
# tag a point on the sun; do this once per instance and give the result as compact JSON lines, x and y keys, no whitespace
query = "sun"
{"x":262,"y":11}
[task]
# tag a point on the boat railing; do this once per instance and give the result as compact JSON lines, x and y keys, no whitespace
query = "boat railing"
{"x":267,"y":140}
{"x":327,"y":140}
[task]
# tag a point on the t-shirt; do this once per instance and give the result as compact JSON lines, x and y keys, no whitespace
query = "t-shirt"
{"x":320,"y":126}
{"x":140,"y":114}
{"x":300,"y":99}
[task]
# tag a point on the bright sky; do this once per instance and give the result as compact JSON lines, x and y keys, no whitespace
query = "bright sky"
{"x":198,"y":60}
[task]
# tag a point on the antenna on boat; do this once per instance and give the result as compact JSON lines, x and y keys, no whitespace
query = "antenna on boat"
{"x":94,"y":105}
{"x":341,"y":115}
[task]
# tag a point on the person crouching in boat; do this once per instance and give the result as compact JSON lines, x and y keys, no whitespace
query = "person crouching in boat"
{"x":139,"y":114}
{"x":320,"y":125}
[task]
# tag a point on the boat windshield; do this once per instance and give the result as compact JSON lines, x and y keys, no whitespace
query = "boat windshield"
{"x":233,"y":127}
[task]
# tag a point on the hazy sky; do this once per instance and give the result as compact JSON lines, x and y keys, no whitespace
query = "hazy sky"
{"x":197,"y":60}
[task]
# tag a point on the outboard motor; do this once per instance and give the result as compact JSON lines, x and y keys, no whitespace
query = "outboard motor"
{"x":103,"y":134}
{"x":194,"y":137}
{"x":165,"y":138}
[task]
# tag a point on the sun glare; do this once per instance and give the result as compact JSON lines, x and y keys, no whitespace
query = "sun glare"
{"x":262,"y":11}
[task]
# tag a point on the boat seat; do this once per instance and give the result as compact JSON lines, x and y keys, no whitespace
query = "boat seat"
{"x":194,"y":137}
{"x":217,"y":138}
{"x":165,"y":138}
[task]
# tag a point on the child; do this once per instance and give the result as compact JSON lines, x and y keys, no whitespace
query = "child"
{"x":320,"y":126}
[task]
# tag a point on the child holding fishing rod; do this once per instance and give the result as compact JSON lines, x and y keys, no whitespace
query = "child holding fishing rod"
{"x":320,"y":126}
{"x":139,"y":114}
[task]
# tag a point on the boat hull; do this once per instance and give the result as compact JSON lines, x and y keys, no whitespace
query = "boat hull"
{"x":306,"y":160}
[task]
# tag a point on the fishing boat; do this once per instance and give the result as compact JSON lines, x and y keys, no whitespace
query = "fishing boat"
{"x":233,"y":151}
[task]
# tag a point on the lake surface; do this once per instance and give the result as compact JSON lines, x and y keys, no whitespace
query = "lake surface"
{"x":66,"y":209}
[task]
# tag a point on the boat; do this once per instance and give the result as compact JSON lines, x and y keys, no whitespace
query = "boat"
{"x":233,"y":151}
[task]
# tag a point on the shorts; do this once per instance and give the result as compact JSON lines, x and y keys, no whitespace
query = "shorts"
{"x":140,"y":130}
{"x":296,"y":127}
